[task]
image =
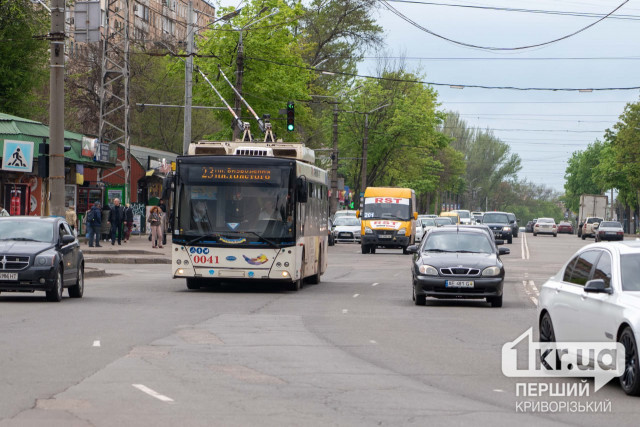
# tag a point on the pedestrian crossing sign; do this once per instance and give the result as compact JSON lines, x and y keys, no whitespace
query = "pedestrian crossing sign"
{"x":17,"y":156}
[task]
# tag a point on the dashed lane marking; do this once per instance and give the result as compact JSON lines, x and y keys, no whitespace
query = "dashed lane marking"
{"x":373,"y":341}
{"x":96,"y":343}
{"x":375,"y":284}
{"x":531,"y":290}
{"x":356,"y":295}
{"x":152,"y":393}
{"x":345,"y":311}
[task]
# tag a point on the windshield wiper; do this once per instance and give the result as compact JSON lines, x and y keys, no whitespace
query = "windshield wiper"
{"x":22,"y":239}
{"x":437,"y":250}
{"x":189,"y":243}
{"x":470,"y":252}
{"x":271,"y":242}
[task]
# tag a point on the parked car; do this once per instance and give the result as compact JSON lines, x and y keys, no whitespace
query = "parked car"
{"x":594,"y":297}
{"x":565,"y":227}
{"x":40,"y":254}
{"x":422,"y":226}
{"x":332,"y":240}
{"x":545,"y":226}
{"x":457,"y":262}
{"x":346,"y":229}
{"x":498,"y":222}
{"x":609,"y":230}
{"x":514,"y":223}
{"x":589,"y":227}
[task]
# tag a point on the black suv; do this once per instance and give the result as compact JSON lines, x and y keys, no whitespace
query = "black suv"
{"x":499,"y":224}
{"x":514,"y":223}
{"x":40,"y":254}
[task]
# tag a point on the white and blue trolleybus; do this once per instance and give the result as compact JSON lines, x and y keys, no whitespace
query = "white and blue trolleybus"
{"x":247,"y":211}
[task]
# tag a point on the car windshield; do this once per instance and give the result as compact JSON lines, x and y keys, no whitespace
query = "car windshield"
{"x":630,"y":269}
{"x":387,"y":208}
{"x":443,"y":221}
{"x":545,"y":220}
{"x":612,"y":224}
{"x":457,"y":242}
{"x":428,"y":222}
{"x":27,"y":230}
{"x":347,"y":221}
{"x":592,"y":220}
{"x":495,"y":218}
{"x":463,"y":214}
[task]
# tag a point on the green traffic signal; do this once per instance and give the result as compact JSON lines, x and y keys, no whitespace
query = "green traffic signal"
{"x":289,"y":127}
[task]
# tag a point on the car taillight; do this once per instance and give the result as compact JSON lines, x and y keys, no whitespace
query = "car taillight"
{"x":554,"y":226}
{"x":620,"y":233}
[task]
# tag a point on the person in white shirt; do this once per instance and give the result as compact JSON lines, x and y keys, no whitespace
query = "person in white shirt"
{"x":3,"y":211}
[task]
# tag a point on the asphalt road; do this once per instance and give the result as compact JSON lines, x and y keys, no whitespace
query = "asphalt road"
{"x":139,"y":349}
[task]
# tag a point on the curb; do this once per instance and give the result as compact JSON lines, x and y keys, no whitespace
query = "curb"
{"x":90,"y":272}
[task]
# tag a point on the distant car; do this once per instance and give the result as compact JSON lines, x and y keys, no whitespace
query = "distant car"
{"x":423,"y":225}
{"x":346,"y":229}
{"x":457,"y":262}
{"x":477,"y":216}
{"x":482,"y":227}
{"x":609,"y":230}
{"x":422,"y":216}
{"x":513,"y":221}
{"x":332,"y":241}
{"x":440,"y":221}
{"x":594,"y":297}
{"x":498,"y":222}
{"x":40,"y":254}
{"x":529,"y":227}
{"x":545,"y":226}
{"x":565,"y":227}
{"x":342,"y":213}
{"x":465,"y":216}
{"x":455,"y":218}
{"x":589,"y":227}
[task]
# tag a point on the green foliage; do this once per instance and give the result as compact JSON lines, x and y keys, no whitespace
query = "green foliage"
{"x":581,"y":175}
{"x":267,"y":86}
{"x":23,"y":59}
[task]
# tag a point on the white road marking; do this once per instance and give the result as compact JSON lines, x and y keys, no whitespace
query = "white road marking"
{"x":373,"y":341}
{"x":345,"y":311}
{"x":96,"y":343}
{"x":375,"y":284}
{"x":531,"y":290}
{"x":497,"y":390}
{"x":152,"y":393}
{"x":356,"y":295}
{"x":524,"y":246}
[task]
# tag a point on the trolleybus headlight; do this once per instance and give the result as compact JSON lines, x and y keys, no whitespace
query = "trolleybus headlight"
{"x":180,"y":271}
{"x":285,"y":274}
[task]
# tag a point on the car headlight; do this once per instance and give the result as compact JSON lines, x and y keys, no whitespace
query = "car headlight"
{"x":491,"y":271}
{"x":368,"y":230}
{"x":507,"y":228}
{"x":428,"y":270}
{"x":44,"y":260}
{"x":402,"y":232}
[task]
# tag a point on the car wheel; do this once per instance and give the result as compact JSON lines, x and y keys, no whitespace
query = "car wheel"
{"x":535,"y":234}
{"x":547,"y":333}
{"x":77,"y":290}
{"x":584,"y":236}
{"x":495,"y":301}
{"x":630,"y":379}
{"x":404,"y":250}
{"x":365,"y":249}
{"x":418,"y":299}
{"x":55,"y":294}
{"x":315,"y":279}
{"x":555,"y":235}
{"x":193,"y":283}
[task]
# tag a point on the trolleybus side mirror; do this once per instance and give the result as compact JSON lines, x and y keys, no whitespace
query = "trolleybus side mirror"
{"x":302,"y":189}
{"x":358,"y":213}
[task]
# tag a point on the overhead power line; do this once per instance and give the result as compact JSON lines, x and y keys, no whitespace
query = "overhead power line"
{"x":475,"y":46}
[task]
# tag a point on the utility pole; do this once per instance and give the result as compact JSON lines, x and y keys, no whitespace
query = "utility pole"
{"x":239,"y":78}
{"x":363,"y":176}
{"x":127,"y":147}
{"x":334,"y":162}
{"x":188,"y":81}
{"x":56,"y":110}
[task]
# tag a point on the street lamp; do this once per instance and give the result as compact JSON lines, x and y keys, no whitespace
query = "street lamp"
{"x":240,"y":63}
{"x":363,"y":179}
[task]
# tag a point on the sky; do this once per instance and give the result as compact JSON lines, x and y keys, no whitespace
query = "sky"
{"x":543,"y":127}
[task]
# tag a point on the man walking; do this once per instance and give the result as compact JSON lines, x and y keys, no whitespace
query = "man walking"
{"x":116,"y":218}
{"x":94,"y":223}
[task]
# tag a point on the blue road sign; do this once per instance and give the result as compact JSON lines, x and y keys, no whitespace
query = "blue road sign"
{"x":17,"y":156}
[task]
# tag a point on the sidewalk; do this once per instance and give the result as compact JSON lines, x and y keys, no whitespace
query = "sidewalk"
{"x":137,"y":250}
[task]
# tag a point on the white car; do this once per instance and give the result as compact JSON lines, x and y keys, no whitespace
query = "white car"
{"x":465,"y":216}
{"x":422,"y":226}
{"x":343,"y":213}
{"x":346,"y":229}
{"x":596,"y":297}
{"x":545,"y":226}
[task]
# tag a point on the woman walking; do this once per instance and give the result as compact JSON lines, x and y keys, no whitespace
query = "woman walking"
{"x":155,"y":221}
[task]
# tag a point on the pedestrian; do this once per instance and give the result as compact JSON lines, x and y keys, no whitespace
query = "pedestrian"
{"x":94,"y":224}
{"x":128,"y":221}
{"x":116,"y":219}
{"x":3,"y":211}
{"x":163,"y":206}
{"x":155,"y":221}
{"x":72,"y":218}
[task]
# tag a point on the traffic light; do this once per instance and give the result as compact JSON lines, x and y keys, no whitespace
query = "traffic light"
{"x":43,"y":160}
{"x":290,"y":116}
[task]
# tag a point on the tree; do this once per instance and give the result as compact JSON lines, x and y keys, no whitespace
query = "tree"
{"x":580,"y":175}
{"x":23,"y":57}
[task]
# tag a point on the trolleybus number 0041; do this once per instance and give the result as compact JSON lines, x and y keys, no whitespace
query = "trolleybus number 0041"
{"x":204,"y":259}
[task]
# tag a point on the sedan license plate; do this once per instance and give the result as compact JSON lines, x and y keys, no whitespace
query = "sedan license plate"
{"x":459,"y":284}
{"x":8,"y":276}
{"x":385,"y":236}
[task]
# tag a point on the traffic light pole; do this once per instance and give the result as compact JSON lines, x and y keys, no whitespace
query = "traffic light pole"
{"x":56,"y":110}
{"x":334,"y":162}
